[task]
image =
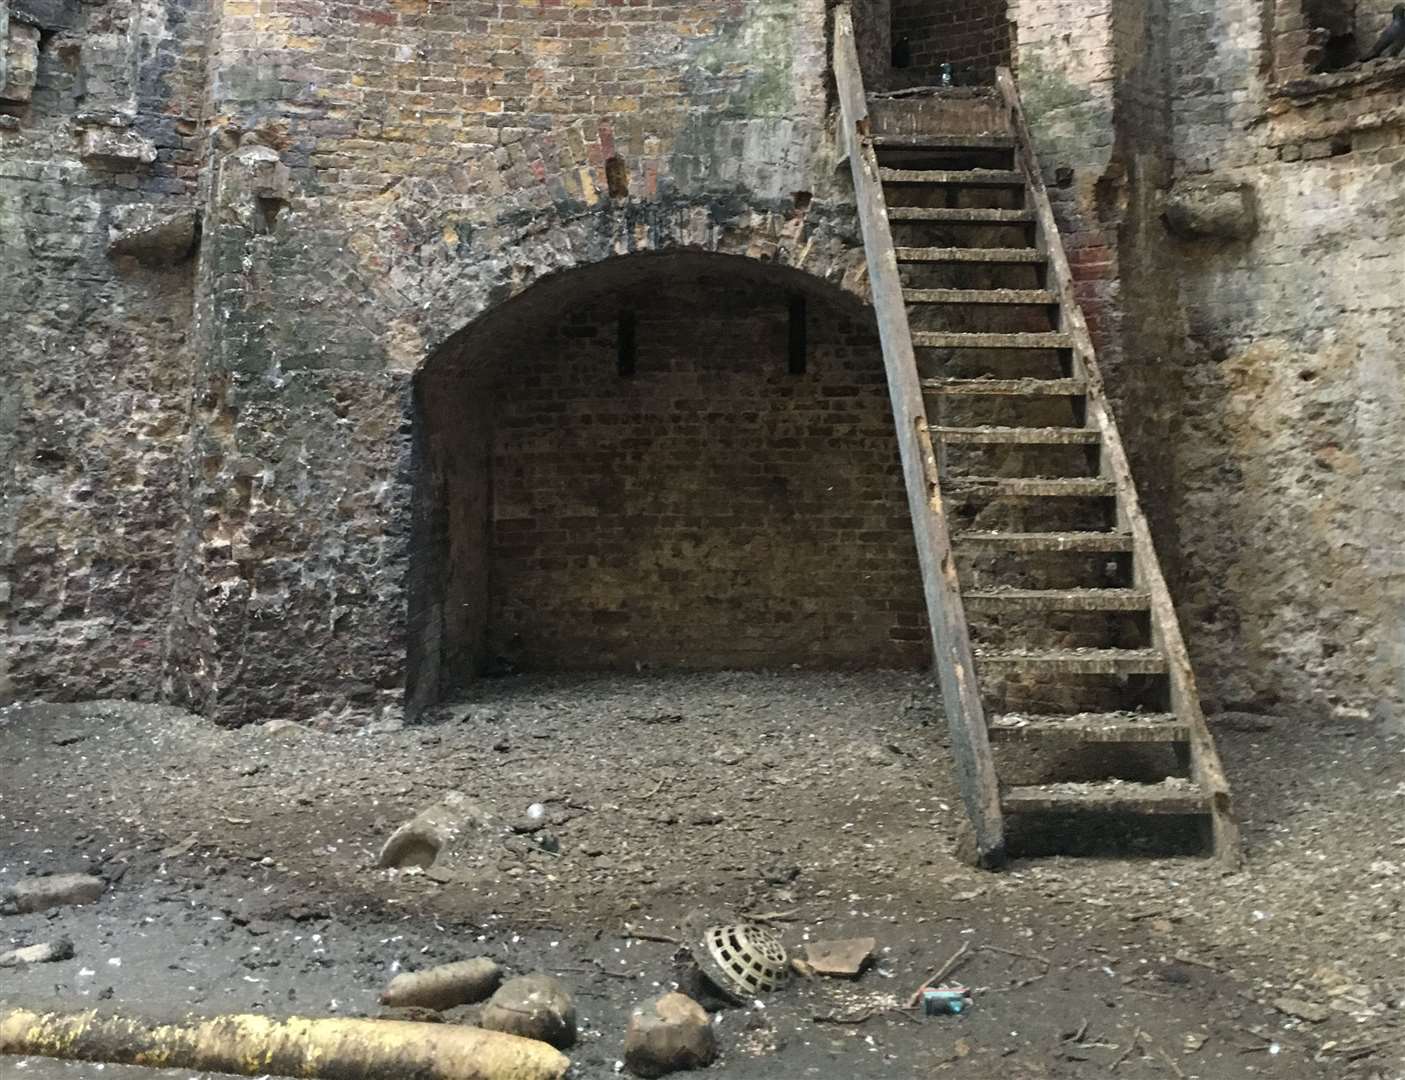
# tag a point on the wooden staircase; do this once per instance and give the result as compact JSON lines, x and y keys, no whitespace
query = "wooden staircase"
{"x":1024,"y":509}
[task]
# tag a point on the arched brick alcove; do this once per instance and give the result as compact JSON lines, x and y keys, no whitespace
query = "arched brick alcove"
{"x":669,"y":460}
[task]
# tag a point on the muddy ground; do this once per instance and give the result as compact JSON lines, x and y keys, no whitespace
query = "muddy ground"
{"x":242,"y":871}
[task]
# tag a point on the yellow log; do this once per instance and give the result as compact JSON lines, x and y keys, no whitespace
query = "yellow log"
{"x":294,"y":1046}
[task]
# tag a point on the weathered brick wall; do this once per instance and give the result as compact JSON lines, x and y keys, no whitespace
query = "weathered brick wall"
{"x":99,"y":120}
{"x":971,"y":35}
{"x":438,"y":159}
{"x":710,"y":510}
{"x":1288,"y":490}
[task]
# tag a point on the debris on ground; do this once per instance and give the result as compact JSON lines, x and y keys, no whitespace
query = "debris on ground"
{"x":301,"y":1046}
{"x":534,"y":1007}
{"x":421,"y":840}
{"x":60,"y":949}
{"x":844,"y":958}
{"x":445,"y":986}
{"x":669,"y":1034}
{"x":56,"y":890}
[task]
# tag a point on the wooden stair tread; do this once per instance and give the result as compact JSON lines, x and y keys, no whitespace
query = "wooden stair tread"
{"x":1046,"y":541}
{"x":968,"y":255}
{"x":1007,"y":387}
{"x":1076,"y":661}
{"x":1040,"y":436}
{"x":941,"y":339}
{"x":1167,"y":797}
{"x":970,"y":177}
{"x":960,"y":215}
{"x":1059,"y":599}
{"x":1119,"y":727}
{"x":1067,"y":486}
{"x":979,"y":296}
{"x":945,"y":142}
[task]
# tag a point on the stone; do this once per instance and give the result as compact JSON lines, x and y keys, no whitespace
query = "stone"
{"x":1209,"y":210}
{"x":112,"y":146}
{"x":535,"y":1007}
{"x":444,"y":986}
{"x":21,"y":66}
{"x":152,"y":234}
{"x":420,"y":841}
{"x":843,"y":958}
{"x":1302,"y":1010}
{"x":61,"y":949}
{"x":416,"y":1014}
{"x":669,"y":1034}
{"x":58,"y":890}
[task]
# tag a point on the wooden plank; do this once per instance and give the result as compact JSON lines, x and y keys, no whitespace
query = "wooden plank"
{"x":1117,"y":727}
{"x":965,"y":177}
{"x":968,"y":255}
{"x":979,"y":296}
{"x":1019,"y":436}
{"x":1074,"y":661}
{"x":1107,"y":798}
{"x":1074,"y":487}
{"x":951,"y":643}
{"x":948,"y":339}
{"x":1206,"y":767}
{"x":943,"y":142}
{"x":1057,"y":599}
{"x":960,"y":215}
{"x":1075,"y":542}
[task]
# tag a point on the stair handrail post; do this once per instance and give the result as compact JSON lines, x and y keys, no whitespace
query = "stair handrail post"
{"x":951,"y":642}
{"x":1206,"y":767}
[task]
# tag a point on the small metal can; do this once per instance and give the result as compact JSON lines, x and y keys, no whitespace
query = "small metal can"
{"x":945,"y":1000}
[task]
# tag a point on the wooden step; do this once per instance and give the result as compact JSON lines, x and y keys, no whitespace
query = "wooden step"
{"x":934,"y":339}
{"x":1057,"y":599}
{"x":968,"y":255}
{"x":979,"y":296}
{"x":944,"y":142}
{"x":1116,"y":727}
{"x":1007,"y":387}
{"x":1115,"y":797}
{"x":1073,"y":661}
{"x":960,"y":215}
{"x":1076,"y":487}
{"x":1000,"y":436}
{"x":968,"y":177}
{"x":1093,"y":542}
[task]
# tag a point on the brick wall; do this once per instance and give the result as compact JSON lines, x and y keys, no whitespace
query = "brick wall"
{"x":99,"y":118}
{"x":971,"y":35}
{"x":710,"y":510}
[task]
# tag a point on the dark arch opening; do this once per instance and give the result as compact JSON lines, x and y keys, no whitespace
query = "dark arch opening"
{"x":704,"y":502}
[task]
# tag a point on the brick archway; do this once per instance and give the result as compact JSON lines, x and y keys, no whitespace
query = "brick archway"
{"x":678,"y":458}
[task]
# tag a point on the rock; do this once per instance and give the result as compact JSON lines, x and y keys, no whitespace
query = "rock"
{"x":843,"y":958}
{"x":60,"y":890}
{"x":152,"y":234}
{"x":444,"y":986}
{"x":1211,"y":210}
{"x":111,"y":146}
{"x":1302,"y":1010}
{"x":669,"y":1034}
{"x":535,"y":1007}
{"x":413,"y":1013}
{"x":421,"y":839}
{"x":62,"y":949}
{"x":20,"y":68}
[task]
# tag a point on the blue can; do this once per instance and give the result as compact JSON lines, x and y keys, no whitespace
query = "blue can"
{"x":946,"y":1001}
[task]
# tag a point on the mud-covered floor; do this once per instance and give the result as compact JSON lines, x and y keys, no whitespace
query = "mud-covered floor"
{"x":242,"y":878}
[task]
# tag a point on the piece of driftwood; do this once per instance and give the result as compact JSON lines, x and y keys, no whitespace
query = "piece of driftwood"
{"x":294,"y":1046}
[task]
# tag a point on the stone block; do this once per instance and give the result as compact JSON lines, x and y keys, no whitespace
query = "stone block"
{"x":21,"y":62}
{"x":1211,"y":210}
{"x":153,"y":234}
{"x":110,"y":146}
